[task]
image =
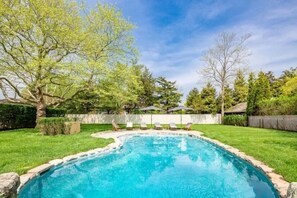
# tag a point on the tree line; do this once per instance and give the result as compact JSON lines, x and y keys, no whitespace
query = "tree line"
{"x":128,"y":92}
{"x":264,"y":93}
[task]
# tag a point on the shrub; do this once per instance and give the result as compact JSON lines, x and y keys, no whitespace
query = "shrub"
{"x":236,"y":120}
{"x":284,"y":105}
{"x":52,"y":126}
{"x":55,"y":112}
{"x":15,"y":116}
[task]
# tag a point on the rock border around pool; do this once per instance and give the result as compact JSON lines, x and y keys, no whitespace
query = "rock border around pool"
{"x":278,"y":181}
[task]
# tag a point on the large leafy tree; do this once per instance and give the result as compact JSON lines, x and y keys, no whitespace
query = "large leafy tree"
{"x":167,"y":94}
{"x":290,"y":87}
{"x":208,"y":97}
{"x":288,"y":82}
{"x":84,"y":102}
{"x":240,"y":88}
{"x":222,"y":61}
{"x":50,"y":52}
{"x":120,"y":87}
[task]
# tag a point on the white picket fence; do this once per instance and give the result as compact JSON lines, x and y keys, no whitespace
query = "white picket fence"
{"x":147,"y":118}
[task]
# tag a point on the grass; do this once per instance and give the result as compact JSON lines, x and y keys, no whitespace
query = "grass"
{"x":24,"y":149}
{"x":277,"y":149}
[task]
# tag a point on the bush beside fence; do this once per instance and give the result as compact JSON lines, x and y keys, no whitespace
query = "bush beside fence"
{"x":15,"y":116}
{"x":236,"y":120}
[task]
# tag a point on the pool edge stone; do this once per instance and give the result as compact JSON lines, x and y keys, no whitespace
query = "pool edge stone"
{"x":41,"y":169}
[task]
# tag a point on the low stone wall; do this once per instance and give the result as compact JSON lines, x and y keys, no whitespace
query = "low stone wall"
{"x":147,"y":118}
{"x":284,"y":122}
{"x":9,"y":183}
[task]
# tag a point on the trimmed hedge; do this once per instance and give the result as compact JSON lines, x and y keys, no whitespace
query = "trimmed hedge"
{"x":55,"y":112}
{"x":285,"y":105}
{"x":15,"y":116}
{"x":53,"y":126}
{"x":235,"y":120}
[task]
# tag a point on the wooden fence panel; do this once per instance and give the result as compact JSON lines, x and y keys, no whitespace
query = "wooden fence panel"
{"x":286,"y":122}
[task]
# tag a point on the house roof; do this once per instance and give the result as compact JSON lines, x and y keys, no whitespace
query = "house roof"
{"x":239,"y":108}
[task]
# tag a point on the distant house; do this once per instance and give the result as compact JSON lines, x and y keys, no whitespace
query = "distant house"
{"x":237,"y":109}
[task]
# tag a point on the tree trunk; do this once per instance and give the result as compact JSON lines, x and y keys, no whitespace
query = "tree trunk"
{"x":222,"y":104}
{"x":40,"y":110}
{"x":40,"y":106}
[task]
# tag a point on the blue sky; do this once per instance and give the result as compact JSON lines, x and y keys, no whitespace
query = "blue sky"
{"x":171,"y":35}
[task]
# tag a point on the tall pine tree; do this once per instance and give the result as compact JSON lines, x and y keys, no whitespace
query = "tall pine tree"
{"x":251,"y":99}
{"x":263,"y":86}
{"x":167,"y":93}
{"x":259,"y":90}
{"x":208,"y":96}
{"x":194,"y":100}
{"x":275,"y":84}
{"x":147,"y":98}
{"x":191,"y":96}
{"x":240,"y":89}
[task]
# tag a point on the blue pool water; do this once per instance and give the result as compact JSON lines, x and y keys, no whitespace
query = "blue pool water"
{"x":154,"y":166}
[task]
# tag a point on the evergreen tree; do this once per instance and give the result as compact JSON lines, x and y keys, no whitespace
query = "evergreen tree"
{"x":208,"y":97}
{"x":194,"y":100}
{"x":259,"y":90}
{"x":251,"y":98}
{"x":275,"y":84}
{"x":263,"y":87}
{"x":191,"y":96}
{"x":147,"y":98}
{"x":240,"y":89}
{"x":229,"y":101}
{"x":167,"y":94}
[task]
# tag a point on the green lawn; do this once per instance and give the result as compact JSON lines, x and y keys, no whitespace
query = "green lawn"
{"x":23,"y":149}
{"x":278,"y":149}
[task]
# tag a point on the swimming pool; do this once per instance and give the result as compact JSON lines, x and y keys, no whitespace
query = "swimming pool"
{"x":154,"y":166}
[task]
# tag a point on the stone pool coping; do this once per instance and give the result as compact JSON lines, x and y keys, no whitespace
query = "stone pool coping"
{"x":277,"y":180}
